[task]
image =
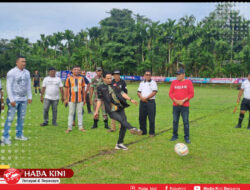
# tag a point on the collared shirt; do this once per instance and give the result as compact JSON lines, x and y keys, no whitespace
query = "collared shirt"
{"x":147,"y":87}
{"x":246,"y":87}
{"x":75,"y":87}
{"x":18,"y":85}
{"x":52,"y":85}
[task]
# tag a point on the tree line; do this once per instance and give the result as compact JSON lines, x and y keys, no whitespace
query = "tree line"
{"x":217,"y":46}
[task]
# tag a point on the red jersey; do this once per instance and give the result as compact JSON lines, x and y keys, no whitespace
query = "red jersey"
{"x":181,"y":90}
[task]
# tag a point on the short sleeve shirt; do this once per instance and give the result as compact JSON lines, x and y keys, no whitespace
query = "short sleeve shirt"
{"x":75,"y":87}
{"x":52,"y":85}
{"x":36,"y":77}
{"x":246,"y":87}
{"x":147,"y":87}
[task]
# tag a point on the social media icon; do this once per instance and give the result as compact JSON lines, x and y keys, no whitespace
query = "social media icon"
{"x":197,"y":188}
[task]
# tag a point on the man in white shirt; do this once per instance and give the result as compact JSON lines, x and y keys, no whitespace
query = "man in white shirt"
{"x":18,"y":91}
{"x":1,"y":98}
{"x":245,"y":104}
{"x":146,"y":92}
{"x":51,"y":86}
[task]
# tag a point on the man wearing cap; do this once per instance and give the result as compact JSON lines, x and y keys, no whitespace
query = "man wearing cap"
{"x":121,"y":84}
{"x":245,"y":104}
{"x":146,"y":92}
{"x":181,"y":91}
{"x":95,"y":82}
{"x":51,"y":87}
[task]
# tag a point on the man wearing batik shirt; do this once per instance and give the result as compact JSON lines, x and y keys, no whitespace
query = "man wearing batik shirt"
{"x":181,"y":91}
{"x":74,"y":94}
{"x":18,"y":91}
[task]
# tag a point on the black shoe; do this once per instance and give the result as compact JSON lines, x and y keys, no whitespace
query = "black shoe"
{"x":95,"y":124}
{"x":106,"y":124}
{"x":187,"y":141}
{"x":238,"y":126}
{"x":55,"y":124}
{"x":248,"y":127}
{"x":173,"y":138}
{"x":43,"y":124}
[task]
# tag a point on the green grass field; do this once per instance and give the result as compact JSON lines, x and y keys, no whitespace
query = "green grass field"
{"x":218,"y":152}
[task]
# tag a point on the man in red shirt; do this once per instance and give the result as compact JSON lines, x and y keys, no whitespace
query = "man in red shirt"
{"x":181,"y":91}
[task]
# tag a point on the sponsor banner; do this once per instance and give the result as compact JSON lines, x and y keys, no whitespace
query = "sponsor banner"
{"x":222,"y":80}
{"x":170,"y":79}
{"x":134,"y":78}
{"x":133,"y":187}
{"x":90,"y":75}
{"x":199,"y":80}
{"x":64,"y":74}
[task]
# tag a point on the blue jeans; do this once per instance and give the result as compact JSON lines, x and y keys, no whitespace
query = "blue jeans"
{"x":184,"y":111}
{"x":21,"y":111}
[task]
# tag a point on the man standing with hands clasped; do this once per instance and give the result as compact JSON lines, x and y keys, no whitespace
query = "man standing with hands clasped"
{"x":18,"y":91}
{"x":181,"y":91}
{"x":146,"y":92}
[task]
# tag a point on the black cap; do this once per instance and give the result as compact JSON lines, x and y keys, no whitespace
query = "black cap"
{"x":52,"y":68}
{"x":98,"y":68}
{"x":116,"y":72}
{"x":180,"y":71}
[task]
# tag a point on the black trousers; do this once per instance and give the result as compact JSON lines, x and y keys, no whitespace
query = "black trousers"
{"x":147,"y":109}
{"x":122,"y":119}
{"x":88,"y":103}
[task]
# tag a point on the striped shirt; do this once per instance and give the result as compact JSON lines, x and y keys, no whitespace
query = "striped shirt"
{"x":75,"y":87}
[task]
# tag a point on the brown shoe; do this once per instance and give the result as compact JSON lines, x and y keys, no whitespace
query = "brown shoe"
{"x":135,"y":131}
{"x":74,"y":124}
{"x":83,"y":130}
{"x":111,"y":130}
{"x":67,"y":131}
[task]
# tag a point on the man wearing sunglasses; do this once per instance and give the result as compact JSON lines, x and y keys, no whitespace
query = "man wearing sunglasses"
{"x":146,"y":92}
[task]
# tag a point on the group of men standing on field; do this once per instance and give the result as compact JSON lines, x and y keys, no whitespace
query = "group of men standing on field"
{"x":111,"y":95}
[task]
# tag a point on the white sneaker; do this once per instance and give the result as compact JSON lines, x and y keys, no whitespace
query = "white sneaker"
{"x":22,"y":138}
{"x":6,"y":141}
{"x":121,"y":146}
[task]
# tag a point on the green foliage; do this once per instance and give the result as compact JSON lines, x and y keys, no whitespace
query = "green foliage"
{"x":217,"y":46}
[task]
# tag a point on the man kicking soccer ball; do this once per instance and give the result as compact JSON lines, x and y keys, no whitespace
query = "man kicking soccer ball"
{"x":245,"y":104}
{"x":115,"y":101}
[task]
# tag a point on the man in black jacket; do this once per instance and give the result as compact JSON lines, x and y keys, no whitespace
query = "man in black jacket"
{"x":118,"y":83}
{"x":115,"y":101}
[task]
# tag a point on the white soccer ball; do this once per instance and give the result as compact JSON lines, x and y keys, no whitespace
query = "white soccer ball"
{"x":181,"y":149}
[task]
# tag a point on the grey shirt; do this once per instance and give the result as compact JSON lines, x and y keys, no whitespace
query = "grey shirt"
{"x":18,"y":85}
